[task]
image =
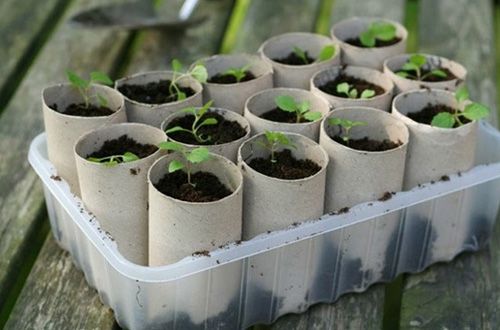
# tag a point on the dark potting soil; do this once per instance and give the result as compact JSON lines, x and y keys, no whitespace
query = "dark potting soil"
{"x":223,"y":132}
{"x":360,"y":84}
{"x":230,"y":79}
{"x":378,"y":43}
{"x":366,"y":144}
{"x":433,"y":78}
{"x":122,"y":145}
{"x":425,"y":115}
{"x":156,"y":92}
{"x":293,"y":59}
{"x":282,"y":116}
{"x":79,"y":109}
{"x":286,"y":166}
{"x":205,"y":187}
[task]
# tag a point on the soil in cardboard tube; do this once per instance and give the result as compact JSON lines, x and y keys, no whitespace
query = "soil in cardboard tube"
{"x":425,"y":115}
{"x":293,"y":59}
{"x":360,"y":84}
{"x":205,"y":187}
{"x":221,"y":78}
{"x":223,"y":132}
{"x":155,"y":92}
{"x":378,"y":43}
{"x":122,"y":145}
{"x":79,"y":109}
{"x":286,"y":166}
{"x":367,"y":144}
{"x":433,"y":78}
{"x":281,"y":116}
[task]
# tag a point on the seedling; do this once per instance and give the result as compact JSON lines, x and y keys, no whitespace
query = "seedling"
{"x":198,"y":72}
{"x":190,"y":157}
{"x":275,"y":140}
{"x":237,"y":73}
{"x":377,"y":30}
{"x":325,"y":53}
{"x":472,"y":111}
{"x":197,"y":123}
{"x":83,"y":86}
{"x":114,"y":160}
{"x":345,"y":126}
{"x":413,"y":69}
{"x":302,"y":110}
{"x":352,"y":93}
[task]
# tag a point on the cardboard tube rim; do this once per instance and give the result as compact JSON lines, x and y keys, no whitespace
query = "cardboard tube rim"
{"x":324,"y":167}
{"x":388,"y":115}
{"x":167,"y":74}
{"x":220,"y":158}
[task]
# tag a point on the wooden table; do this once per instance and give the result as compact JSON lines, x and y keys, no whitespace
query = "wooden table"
{"x":39,"y":286}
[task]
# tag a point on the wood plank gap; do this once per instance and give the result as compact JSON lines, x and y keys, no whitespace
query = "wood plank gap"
{"x":16,"y":76}
{"x":497,"y":53}
{"x":23,"y":263}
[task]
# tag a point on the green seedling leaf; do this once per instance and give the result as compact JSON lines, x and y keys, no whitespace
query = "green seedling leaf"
{"x":198,"y":155}
{"x":101,"y":78}
{"x":129,"y":157}
{"x":304,"y":107}
{"x":443,"y":120}
{"x":174,"y":166}
{"x":76,"y":80}
{"x":209,"y":121}
{"x":402,"y":74}
{"x":326,"y":53}
{"x":199,"y":72}
{"x":346,"y":125}
{"x":286,"y":103}
{"x":181,"y":96}
{"x":377,"y":30}
{"x":461,"y":94}
{"x":175,"y":129}
{"x":343,"y":88}
{"x":301,"y":54}
{"x":313,"y":115}
{"x":475,"y":111}
{"x":238,"y":73}
{"x":171,"y":146}
{"x":410,"y":66}
{"x":367,"y":93}
{"x":204,"y":108}
{"x":438,"y":73}
{"x":353,"y":93}
{"x":177,"y":65}
{"x":418,"y":60}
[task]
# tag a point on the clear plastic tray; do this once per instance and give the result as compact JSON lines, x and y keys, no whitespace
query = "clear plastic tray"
{"x":285,"y":271}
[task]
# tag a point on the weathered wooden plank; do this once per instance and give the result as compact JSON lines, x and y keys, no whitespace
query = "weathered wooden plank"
{"x":463,"y":293}
{"x":156,"y":49}
{"x":463,"y":31}
{"x":21,"y":37}
{"x":21,"y":195}
{"x":152,"y":48}
{"x":56,"y":296}
{"x":392,"y":9}
{"x":268,"y":18}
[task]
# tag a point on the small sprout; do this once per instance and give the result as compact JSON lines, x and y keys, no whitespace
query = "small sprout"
{"x":472,"y":111}
{"x":197,"y":123}
{"x":198,"y":72}
{"x":413,"y":69}
{"x":325,"y":53}
{"x":190,"y":157}
{"x":237,"y":73}
{"x":114,"y":160}
{"x":302,"y":110}
{"x":377,"y":30}
{"x":275,"y":140}
{"x":352,"y":93}
{"x":83,"y":86}
{"x":345,"y":125}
